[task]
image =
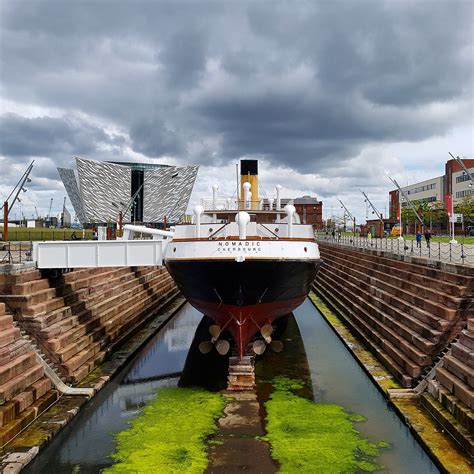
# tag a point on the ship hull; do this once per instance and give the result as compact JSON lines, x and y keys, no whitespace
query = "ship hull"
{"x":241,"y":297}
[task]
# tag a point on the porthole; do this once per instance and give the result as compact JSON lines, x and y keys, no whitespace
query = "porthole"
{"x":277,"y":229}
{"x":174,"y":249}
{"x":305,"y":249}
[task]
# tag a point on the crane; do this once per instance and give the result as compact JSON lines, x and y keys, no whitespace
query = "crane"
{"x":36,"y":213}
{"x":50,"y":207}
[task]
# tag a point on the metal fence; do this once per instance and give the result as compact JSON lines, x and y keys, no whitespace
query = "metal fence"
{"x":22,"y":234}
{"x":15,"y":252}
{"x":460,"y":253}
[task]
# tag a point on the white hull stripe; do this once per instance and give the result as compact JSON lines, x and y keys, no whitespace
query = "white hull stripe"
{"x":238,"y":249}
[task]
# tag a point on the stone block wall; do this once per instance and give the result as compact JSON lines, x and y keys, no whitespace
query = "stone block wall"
{"x":24,"y":389}
{"x":77,"y":317}
{"x":450,"y":397}
{"x":406,"y":311}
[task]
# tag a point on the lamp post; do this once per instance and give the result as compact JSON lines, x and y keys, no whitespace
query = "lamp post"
{"x":374,"y":210}
{"x":350,"y":216}
{"x":400,"y":197}
{"x":451,"y":218}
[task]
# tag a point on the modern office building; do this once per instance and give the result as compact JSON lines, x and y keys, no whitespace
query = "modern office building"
{"x":455,"y":181}
{"x":143,"y":192}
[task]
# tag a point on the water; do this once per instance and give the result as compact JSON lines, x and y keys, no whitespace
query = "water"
{"x":86,"y":444}
{"x":337,"y":378}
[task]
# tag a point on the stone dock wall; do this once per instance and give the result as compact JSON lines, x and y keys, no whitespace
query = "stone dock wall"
{"x":413,"y":314}
{"x":74,"y":319}
{"x":25,"y":391}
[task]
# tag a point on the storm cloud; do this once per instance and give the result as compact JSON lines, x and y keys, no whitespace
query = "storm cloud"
{"x":305,"y":86}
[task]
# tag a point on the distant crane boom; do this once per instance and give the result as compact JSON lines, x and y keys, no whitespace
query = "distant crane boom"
{"x":50,"y":207}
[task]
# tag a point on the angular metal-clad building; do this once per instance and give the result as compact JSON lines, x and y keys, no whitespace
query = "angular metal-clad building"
{"x":144,"y":192}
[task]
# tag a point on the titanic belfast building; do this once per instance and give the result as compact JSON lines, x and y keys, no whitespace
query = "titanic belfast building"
{"x":143,"y":192}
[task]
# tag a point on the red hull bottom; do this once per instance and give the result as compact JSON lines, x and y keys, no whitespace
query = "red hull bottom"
{"x":243,"y":322}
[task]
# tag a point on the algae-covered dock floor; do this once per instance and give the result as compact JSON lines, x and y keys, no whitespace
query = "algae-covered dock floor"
{"x":237,"y":445}
{"x":441,"y":447}
{"x":45,"y":428}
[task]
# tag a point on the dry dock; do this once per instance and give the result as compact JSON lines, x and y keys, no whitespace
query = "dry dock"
{"x":408,"y":321}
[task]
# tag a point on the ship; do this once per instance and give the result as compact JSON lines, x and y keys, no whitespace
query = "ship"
{"x":244,"y":262}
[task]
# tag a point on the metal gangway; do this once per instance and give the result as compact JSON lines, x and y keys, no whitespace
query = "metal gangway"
{"x":123,"y":252}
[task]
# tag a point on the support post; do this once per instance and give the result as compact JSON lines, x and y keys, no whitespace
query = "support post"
{"x":5,"y":221}
{"x":120,"y":223}
{"x":451,"y":217}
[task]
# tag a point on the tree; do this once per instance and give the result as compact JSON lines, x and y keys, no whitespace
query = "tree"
{"x":466,"y":208}
{"x":432,"y":213}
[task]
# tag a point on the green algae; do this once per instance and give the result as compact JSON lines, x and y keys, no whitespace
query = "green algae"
{"x":315,"y":437}
{"x":170,"y":435}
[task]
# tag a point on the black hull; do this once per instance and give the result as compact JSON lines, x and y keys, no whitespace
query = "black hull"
{"x":246,"y":283}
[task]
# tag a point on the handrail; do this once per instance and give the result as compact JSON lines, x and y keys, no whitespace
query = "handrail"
{"x":218,"y":230}
{"x":269,"y":230}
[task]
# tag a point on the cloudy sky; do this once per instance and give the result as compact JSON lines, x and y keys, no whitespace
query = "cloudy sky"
{"x":330,"y":96}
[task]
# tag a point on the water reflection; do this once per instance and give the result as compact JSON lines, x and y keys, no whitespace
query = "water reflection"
{"x":320,"y":356}
{"x":338,"y":378}
{"x":88,"y":440}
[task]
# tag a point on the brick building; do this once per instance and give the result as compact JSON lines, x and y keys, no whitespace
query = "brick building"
{"x":454,"y":181}
{"x":310,"y":211}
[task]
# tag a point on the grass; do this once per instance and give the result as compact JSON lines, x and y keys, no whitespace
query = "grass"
{"x":170,"y":435}
{"x":459,"y":238}
{"x":308,"y":437}
{"x":23,"y":234}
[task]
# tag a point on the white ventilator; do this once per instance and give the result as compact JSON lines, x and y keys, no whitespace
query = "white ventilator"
{"x":290,"y":212}
{"x":278,"y":199}
{"x":198,"y":210}
{"x":242,"y":219}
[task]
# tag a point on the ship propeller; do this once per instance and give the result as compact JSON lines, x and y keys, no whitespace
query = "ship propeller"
{"x":205,"y":347}
{"x":215,"y":331}
{"x":222,"y":346}
{"x":260,"y":345}
{"x":277,"y":346}
{"x":266,"y":332}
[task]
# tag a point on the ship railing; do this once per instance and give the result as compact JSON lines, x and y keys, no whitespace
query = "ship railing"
{"x":218,"y":232}
{"x":458,"y":253}
{"x":228,"y":204}
{"x":268,"y":232}
{"x":219,"y":204}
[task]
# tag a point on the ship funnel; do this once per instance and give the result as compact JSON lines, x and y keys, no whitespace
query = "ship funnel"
{"x":215,"y":188}
{"x":278,"y":199}
{"x":290,"y":212}
{"x":242,"y":219}
{"x":198,"y":210}
{"x":249,"y":174}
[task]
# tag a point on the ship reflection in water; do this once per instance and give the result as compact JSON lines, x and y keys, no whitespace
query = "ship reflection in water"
{"x":312,"y":352}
